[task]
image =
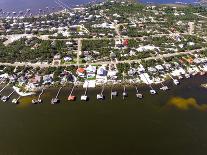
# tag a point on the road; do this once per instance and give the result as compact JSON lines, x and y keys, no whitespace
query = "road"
{"x":101,"y":63}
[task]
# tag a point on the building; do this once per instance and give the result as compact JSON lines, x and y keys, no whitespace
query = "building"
{"x":191,"y":28}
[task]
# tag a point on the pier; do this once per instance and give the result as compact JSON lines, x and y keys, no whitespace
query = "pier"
{"x":113,"y":93}
{"x":164,"y":87}
{"x":38,"y":100}
{"x":72,"y":97}
{"x":16,"y":100}
{"x":124,"y":94}
{"x":85,"y":97}
{"x":4,"y":88}
{"x":56,"y":99}
{"x":101,"y":96}
{"x":6,"y":98}
{"x":152,"y":91}
{"x":138,"y":95}
{"x":175,"y":81}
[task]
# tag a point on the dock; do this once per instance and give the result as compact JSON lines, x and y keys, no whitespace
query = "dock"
{"x":6,"y":98}
{"x":4,"y":88}
{"x":16,"y":100}
{"x":124,"y":94}
{"x":56,"y":99}
{"x":72,"y":97}
{"x":101,"y":96}
{"x":38,"y":100}
{"x":138,"y":95}
{"x":175,"y":81}
{"x":152,"y":91}
{"x":113,"y":93}
{"x":164,"y":87}
{"x":85,"y":97}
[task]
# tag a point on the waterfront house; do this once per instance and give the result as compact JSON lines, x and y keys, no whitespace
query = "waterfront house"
{"x":80,"y":72}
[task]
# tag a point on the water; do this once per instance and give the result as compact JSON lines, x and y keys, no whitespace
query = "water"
{"x":34,"y":5}
{"x":124,"y":127}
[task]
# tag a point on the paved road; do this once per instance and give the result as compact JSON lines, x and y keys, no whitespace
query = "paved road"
{"x":102,"y":63}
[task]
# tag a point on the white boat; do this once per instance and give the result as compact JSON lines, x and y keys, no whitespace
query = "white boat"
{"x":34,"y":101}
{"x":164,"y":88}
{"x":4,"y":98}
{"x":180,"y":77}
{"x":138,"y":95}
{"x":84,"y":98}
{"x":39,"y":101}
{"x":15,"y":101}
{"x":176,"y":82}
{"x":55,"y":101}
{"x":153,"y":92}
{"x":187,"y":76}
{"x":100,"y":96}
{"x":114,"y":93}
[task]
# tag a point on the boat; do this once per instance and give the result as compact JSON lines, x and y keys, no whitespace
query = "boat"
{"x":187,"y":76}
{"x":71,"y":98}
{"x":15,"y":101}
{"x":114,"y":93}
{"x":124,"y":94}
{"x":34,"y":101}
{"x":164,"y":88}
{"x":202,"y":73}
{"x":4,"y":98}
{"x":176,"y":82}
{"x":152,"y":92}
{"x":100,"y":97}
{"x":39,"y":100}
{"x":84,"y":98}
{"x":139,"y":95}
{"x":204,"y":85}
{"x":55,"y":101}
{"x":180,"y":77}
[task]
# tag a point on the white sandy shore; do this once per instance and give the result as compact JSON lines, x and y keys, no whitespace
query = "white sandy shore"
{"x":22,"y":93}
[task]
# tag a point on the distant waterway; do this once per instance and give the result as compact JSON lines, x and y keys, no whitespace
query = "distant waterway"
{"x":171,"y":122}
{"x":35,"y":5}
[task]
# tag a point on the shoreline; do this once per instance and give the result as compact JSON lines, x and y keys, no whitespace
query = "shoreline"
{"x":176,"y":4}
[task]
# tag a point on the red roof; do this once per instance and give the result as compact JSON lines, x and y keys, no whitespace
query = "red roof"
{"x":81,"y":70}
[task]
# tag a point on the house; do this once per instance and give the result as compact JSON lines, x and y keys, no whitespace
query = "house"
{"x":80,"y":72}
{"x":101,"y":71}
{"x":67,"y":59}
